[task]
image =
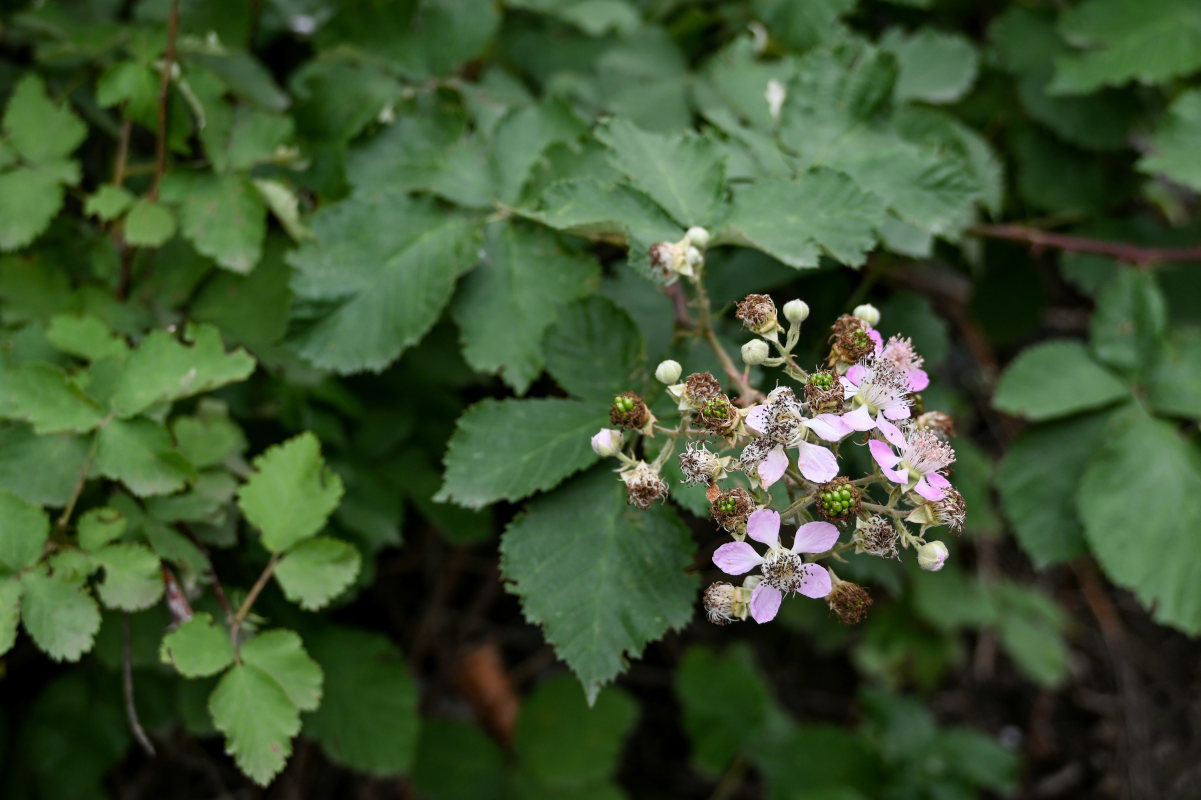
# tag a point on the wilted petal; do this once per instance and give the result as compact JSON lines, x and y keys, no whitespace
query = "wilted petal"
{"x":815,"y":582}
{"x":828,"y":426}
{"x":764,"y":526}
{"x":815,"y":537}
{"x":891,"y":432}
{"x":883,"y":454}
{"x":765,"y":602}
{"x":859,"y":420}
{"x":772,"y":468}
{"x":927,"y":491}
{"x":736,"y":558}
{"x":816,"y":463}
{"x":756,"y":420}
{"x":918,"y":379}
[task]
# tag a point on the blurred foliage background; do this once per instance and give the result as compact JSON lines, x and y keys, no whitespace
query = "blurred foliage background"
{"x":404,"y":214}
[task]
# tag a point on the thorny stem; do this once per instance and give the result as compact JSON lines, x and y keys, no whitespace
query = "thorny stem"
{"x":747,"y":392}
{"x":1144,"y":257}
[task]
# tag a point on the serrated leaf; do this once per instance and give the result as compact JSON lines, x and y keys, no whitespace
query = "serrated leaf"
{"x":316,"y":571}
{"x":149,"y":224}
{"x":567,"y":742}
{"x":24,"y":529}
{"x":376,"y":279}
{"x":1148,"y":41}
{"x":258,"y":721}
{"x":1174,"y":382}
{"x":1030,"y":626}
{"x":291,"y":494}
{"x":108,"y":202}
{"x":593,"y":351}
{"x":368,"y":717}
{"x":285,"y":205}
{"x":1141,"y":457}
{"x":46,"y":397}
{"x":280,"y":654}
{"x":520,"y":139}
{"x":796,"y":222}
{"x":85,"y":336}
{"x":1176,"y":141}
{"x":163,"y":369}
{"x":717,"y":722}
{"x":509,"y":449}
{"x":935,"y":67}
{"x":1055,"y":379}
{"x":637,"y":588}
{"x":208,"y":438}
{"x":133,"y":578}
{"x":684,"y":174}
{"x":1037,"y":482}
{"x":60,"y":459}
{"x":99,"y":526}
{"x":506,"y":304}
{"x":223,"y":217}
{"x":198,"y":647}
{"x":40,"y":129}
{"x":10,"y":612}
{"x":139,"y":453}
{"x":29,"y":199}
{"x":61,"y":616}
{"x":1127,"y":329}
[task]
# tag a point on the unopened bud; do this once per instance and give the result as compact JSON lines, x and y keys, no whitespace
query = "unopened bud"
{"x":868,"y":313}
{"x":668,"y":371}
{"x":932,"y":555}
{"x":607,"y":442}
{"x":755,"y":352}
{"x":697,"y":237}
{"x":796,"y":311}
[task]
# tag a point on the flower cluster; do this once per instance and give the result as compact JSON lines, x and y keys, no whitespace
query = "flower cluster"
{"x":770,"y":460}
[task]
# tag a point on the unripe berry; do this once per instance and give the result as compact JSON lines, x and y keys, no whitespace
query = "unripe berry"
{"x":668,"y":371}
{"x":755,"y":352}
{"x":932,"y":555}
{"x":697,"y":237}
{"x":796,"y":311}
{"x":868,"y":313}
{"x":606,"y":442}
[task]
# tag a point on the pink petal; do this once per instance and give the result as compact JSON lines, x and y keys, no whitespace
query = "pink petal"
{"x":937,"y":480}
{"x":772,"y":468}
{"x":883,"y":454}
{"x":918,"y":379}
{"x":828,"y":426}
{"x":815,"y":583}
{"x":735,"y":558}
{"x":815,"y":537}
{"x":899,"y":411}
{"x":927,"y":491}
{"x":899,"y":475}
{"x":765,"y":602}
{"x":891,"y":432}
{"x":855,"y":373}
{"x":756,"y":420}
{"x":859,"y":420}
{"x":816,"y":463}
{"x":876,"y":338}
{"x":764,"y":526}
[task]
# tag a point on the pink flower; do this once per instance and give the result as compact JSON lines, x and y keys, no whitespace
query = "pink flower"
{"x":900,"y":353}
{"x":784,"y":571}
{"x":922,"y":455}
{"x":879,"y":392}
{"x":781,"y":420}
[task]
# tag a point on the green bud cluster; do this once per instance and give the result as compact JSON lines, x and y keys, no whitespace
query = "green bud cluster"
{"x":822,"y":380}
{"x":726,"y":506}
{"x":860,"y":338}
{"x":623,"y":404}
{"x":715,"y":408}
{"x":836,"y":501}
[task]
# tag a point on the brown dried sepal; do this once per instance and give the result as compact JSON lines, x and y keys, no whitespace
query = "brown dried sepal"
{"x":849,"y":341}
{"x":850,"y":602}
{"x":758,"y":313}
{"x":635,"y":417}
{"x":939,"y":423}
{"x":853,"y":504}
{"x":644,"y":488}
{"x":701,"y":387}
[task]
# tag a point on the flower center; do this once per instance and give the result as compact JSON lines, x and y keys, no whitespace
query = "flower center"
{"x":784,"y":570}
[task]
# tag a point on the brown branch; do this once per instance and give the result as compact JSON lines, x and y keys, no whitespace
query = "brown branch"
{"x":257,"y":589}
{"x":1139,"y":255}
{"x":82,"y":479}
{"x":131,"y":710}
{"x":164,"y":94}
{"x":748,"y":393}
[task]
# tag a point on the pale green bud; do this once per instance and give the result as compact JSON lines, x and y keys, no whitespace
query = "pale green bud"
{"x":932,"y":555}
{"x":868,"y":313}
{"x":755,"y":352}
{"x":697,"y":237}
{"x":796,"y":311}
{"x":607,"y":442}
{"x":668,"y":371}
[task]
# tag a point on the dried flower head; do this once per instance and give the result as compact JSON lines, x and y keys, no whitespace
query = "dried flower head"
{"x":701,"y":466}
{"x":939,"y":423}
{"x":731,"y":509}
{"x":875,"y":536}
{"x":824,"y":393}
{"x":670,"y":260}
{"x":850,"y":341}
{"x":951,"y":510}
{"x":850,"y":602}
{"x":758,"y":313}
{"x":643,"y":485}
{"x":725,"y":603}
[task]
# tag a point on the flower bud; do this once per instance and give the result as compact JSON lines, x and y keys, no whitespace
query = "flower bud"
{"x":607,"y":442}
{"x":755,"y":352}
{"x":697,"y":237}
{"x":932,"y":555}
{"x":668,"y":371}
{"x":796,"y":311}
{"x":868,"y":313}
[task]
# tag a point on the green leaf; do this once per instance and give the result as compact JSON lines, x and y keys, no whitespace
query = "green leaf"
{"x":138,"y":452}
{"x":316,"y":571}
{"x":522,"y":137}
{"x":824,"y":212}
{"x":383,"y":267}
{"x":637,"y":588}
{"x":567,"y":742}
{"x":1127,"y":330}
{"x":108,"y":202}
{"x":1148,"y":41}
{"x":285,"y":205}
{"x":10,"y":612}
{"x":132,"y":577}
{"x":509,"y":449}
{"x":61,"y":616}
{"x":291,"y":494}
{"x":717,"y":721}
{"x":1174,"y":382}
{"x":60,"y":459}
{"x":149,"y":224}
{"x":935,"y":67}
{"x":368,"y":719}
{"x":24,"y":529}
{"x":280,"y":654}
{"x":99,"y":526}
{"x":209,"y":437}
{"x":1148,"y":548}
{"x":46,"y":397}
{"x":594,"y":350}
{"x":1030,"y":626}
{"x":258,"y":721}
{"x":86,"y":336}
{"x":1037,"y":482}
{"x":1174,"y":145}
{"x":684,"y":174}
{"x":506,"y":304}
{"x":40,"y":129}
{"x":163,"y":369}
{"x":803,"y":25}
{"x":223,"y":217}
{"x":198,"y":647}
{"x":29,"y":199}
{"x":457,"y":761}
{"x":1055,"y":379}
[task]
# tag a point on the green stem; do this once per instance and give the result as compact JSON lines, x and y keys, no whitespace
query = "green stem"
{"x":748,"y":394}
